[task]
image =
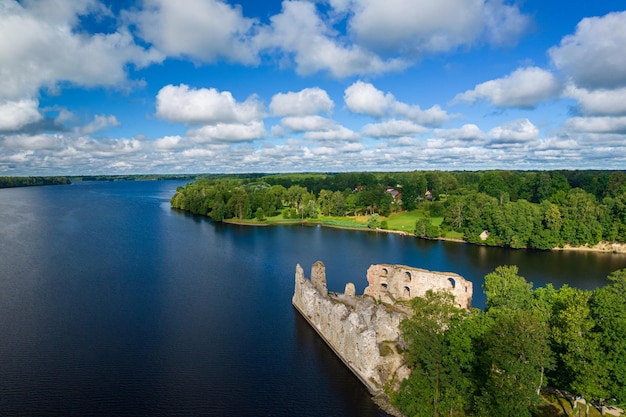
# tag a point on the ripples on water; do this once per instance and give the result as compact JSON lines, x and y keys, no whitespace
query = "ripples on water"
{"x":113,"y":304}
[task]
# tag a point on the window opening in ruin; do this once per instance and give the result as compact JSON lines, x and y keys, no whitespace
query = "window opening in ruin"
{"x":384,"y":286}
{"x":385,"y":271}
{"x":452,"y":282}
{"x":407,"y":276}
{"x":407,"y":292}
{"x":466,"y":288}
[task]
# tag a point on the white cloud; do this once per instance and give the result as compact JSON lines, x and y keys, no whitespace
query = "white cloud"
{"x":467,"y":132}
{"x":597,"y":124}
{"x":203,"y":30}
{"x":225,"y":132}
{"x":100,"y":122}
{"x":364,"y":98}
{"x":300,"y":34}
{"x":594,"y":55}
{"x":169,"y":142}
{"x":392,"y":128}
{"x":306,"y":102}
{"x":337,"y":133}
{"x":308,"y":123}
{"x":524,"y":87}
{"x":516,"y":131}
{"x":16,"y":114}
{"x":40,"y":48}
{"x":205,"y":106}
{"x":33,"y":142}
{"x":423,"y":26}
{"x":599,"y":102}
{"x":433,"y":116}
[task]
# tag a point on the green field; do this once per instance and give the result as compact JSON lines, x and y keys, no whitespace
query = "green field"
{"x":404,"y":222}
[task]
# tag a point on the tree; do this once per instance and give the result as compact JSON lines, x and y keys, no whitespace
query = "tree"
{"x":608,"y":309}
{"x":440,"y":355}
{"x":239,"y":203}
{"x":514,"y":352}
{"x":324,"y":201}
{"x":581,"y":368}
{"x":338,"y":204}
{"x":504,"y":288}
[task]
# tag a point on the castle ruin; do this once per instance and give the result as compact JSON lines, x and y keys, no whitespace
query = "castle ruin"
{"x":364,"y":330}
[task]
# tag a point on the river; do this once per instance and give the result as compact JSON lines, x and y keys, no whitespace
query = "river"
{"x":111,"y":303}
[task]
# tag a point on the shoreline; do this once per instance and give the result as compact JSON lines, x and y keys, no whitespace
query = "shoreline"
{"x":602,"y":247}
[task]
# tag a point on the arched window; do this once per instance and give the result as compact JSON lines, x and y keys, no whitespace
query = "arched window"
{"x":407,"y":292}
{"x":407,"y":276}
{"x":385,"y":271}
{"x":452,"y":282}
{"x":384,"y":286}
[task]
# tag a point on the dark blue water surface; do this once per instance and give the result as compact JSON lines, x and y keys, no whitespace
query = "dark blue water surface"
{"x":113,"y":304}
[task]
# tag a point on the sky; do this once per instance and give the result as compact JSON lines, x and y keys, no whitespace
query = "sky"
{"x":212,"y":86}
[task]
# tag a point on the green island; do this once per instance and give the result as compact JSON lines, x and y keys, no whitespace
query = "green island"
{"x":517,"y":209}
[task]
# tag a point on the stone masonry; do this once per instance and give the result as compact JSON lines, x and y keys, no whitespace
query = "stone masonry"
{"x":364,"y":330}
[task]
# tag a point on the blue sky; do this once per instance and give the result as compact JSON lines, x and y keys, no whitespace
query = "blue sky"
{"x":194,"y":86}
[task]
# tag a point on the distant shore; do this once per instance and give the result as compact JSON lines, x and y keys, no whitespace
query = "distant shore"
{"x":604,"y":247}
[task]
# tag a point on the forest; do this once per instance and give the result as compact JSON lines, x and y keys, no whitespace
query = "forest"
{"x":507,"y":359}
{"x":517,"y":209}
{"x":10,"y":182}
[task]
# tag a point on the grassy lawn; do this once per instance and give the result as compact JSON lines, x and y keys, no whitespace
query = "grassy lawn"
{"x":404,"y":221}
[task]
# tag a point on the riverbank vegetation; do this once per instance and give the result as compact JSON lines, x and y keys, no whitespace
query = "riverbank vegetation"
{"x":517,"y":209}
{"x":11,"y":182}
{"x":497,"y":362}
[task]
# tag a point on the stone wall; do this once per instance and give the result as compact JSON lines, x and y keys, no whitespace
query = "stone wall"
{"x":364,"y":330}
{"x":363,"y":333}
{"x":392,"y":283}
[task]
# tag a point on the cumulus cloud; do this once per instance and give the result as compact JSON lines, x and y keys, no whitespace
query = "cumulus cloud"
{"x":205,"y":106}
{"x":225,"y":132}
{"x":594,"y":55}
{"x":423,"y":26}
{"x":524,"y":88}
{"x":40,"y":48}
{"x":334,"y":134}
{"x":597,"y":124}
{"x":467,"y":132}
{"x":17,"y":114}
{"x":300,"y":34}
{"x":100,"y":122}
{"x":392,"y":128}
{"x":306,"y":102}
{"x":203,"y":30}
{"x":516,"y":131}
{"x":308,"y":123}
{"x":364,"y":98}
{"x":167,"y":143}
{"x":599,"y":102}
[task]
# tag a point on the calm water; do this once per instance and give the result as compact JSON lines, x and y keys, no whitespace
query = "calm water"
{"x":113,"y":304}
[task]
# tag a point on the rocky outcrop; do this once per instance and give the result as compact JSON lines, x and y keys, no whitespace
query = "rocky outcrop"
{"x":364,"y":330}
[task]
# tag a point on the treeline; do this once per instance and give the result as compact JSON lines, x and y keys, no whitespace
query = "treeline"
{"x":516,"y":209}
{"x":497,"y":361}
{"x":242,"y":199}
{"x":9,"y":182}
{"x":133,"y":177}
